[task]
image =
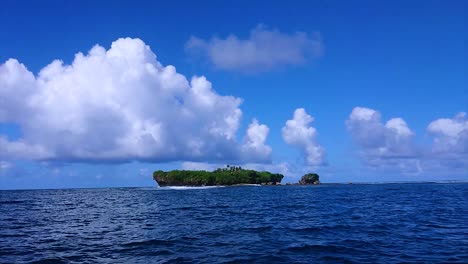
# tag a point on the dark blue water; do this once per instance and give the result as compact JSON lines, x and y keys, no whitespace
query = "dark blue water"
{"x":288,"y":224}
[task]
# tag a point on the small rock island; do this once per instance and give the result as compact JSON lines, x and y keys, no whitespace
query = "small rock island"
{"x":310,"y":178}
{"x":231,"y":175}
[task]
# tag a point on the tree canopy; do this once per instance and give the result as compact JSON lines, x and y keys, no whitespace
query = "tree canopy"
{"x":230,"y":175}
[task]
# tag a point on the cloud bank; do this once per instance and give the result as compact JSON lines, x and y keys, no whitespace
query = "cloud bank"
{"x":392,"y":145}
{"x":121,"y":104}
{"x":388,"y":145}
{"x":264,"y":50}
{"x":298,"y":133}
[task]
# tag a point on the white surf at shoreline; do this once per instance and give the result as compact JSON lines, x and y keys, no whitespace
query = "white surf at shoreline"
{"x":204,"y":187}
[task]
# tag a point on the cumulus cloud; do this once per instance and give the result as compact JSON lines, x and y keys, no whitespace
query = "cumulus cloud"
{"x":121,"y":104}
{"x":383,"y":145}
{"x":450,"y":143}
{"x":254,"y":142}
{"x":392,"y":139}
{"x":391,"y":145}
{"x":263,"y":50}
{"x":298,"y":132}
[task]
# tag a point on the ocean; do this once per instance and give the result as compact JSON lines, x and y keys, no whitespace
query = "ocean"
{"x":359,"y":223}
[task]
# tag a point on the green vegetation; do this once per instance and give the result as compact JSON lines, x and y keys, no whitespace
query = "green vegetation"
{"x":310,"y":178}
{"x":226,"y":176}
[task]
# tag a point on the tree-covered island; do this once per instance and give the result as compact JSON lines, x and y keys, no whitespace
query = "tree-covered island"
{"x":230,"y":175}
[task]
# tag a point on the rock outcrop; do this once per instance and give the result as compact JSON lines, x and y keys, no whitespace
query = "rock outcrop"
{"x":309,"y":179}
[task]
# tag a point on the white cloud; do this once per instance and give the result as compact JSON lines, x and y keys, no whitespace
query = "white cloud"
{"x":254,"y":142}
{"x":263,"y":50}
{"x":121,"y":104}
{"x":376,"y":139}
{"x":399,"y":127}
{"x":298,"y":132}
{"x":16,"y":85}
{"x":450,"y":133}
{"x":391,"y":146}
{"x":21,"y":150}
{"x":388,"y":145}
{"x":450,"y":144}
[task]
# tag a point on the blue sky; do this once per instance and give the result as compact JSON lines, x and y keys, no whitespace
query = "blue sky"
{"x":385,"y":83}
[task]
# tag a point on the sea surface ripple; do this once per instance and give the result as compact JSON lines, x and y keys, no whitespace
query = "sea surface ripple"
{"x":382,"y":223}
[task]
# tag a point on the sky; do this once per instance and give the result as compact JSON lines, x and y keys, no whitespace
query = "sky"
{"x":99,"y":95}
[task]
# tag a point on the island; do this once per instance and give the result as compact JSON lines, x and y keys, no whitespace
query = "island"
{"x":310,"y":179}
{"x":231,"y":175}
